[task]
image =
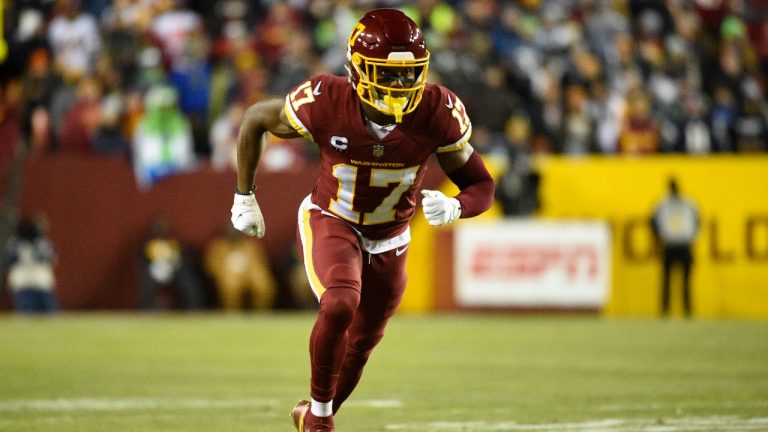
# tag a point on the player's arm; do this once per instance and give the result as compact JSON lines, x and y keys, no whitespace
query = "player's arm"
{"x":466,"y":170}
{"x":262,"y":117}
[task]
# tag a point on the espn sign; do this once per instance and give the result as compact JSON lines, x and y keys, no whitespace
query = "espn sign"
{"x":528,"y":263}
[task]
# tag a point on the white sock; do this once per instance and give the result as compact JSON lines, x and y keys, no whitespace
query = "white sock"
{"x":321,"y":409}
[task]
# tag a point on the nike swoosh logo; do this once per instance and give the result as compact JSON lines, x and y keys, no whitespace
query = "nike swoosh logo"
{"x":399,"y":252}
{"x":316,"y":91}
{"x":449,"y":105}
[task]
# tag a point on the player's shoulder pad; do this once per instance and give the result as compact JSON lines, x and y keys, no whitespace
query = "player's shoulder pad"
{"x":448,"y":114}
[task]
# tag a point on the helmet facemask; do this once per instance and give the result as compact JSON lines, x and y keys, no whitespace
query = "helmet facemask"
{"x":396,"y":101}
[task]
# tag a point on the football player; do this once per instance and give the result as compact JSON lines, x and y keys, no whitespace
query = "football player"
{"x":375,"y":130}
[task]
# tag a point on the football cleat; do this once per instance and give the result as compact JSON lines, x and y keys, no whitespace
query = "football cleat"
{"x":304,"y":421}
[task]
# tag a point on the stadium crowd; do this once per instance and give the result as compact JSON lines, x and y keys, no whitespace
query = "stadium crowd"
{"x":572,"y":77}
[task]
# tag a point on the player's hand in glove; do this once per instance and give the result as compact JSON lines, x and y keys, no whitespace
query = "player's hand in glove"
{"x":439,"y":209}
{"x":246,"y":215}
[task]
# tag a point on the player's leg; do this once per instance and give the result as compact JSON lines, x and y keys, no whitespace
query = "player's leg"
{"x":384,"y":280}
{"x":666,"y":270}
{"x":333,"y":260}
{"x":686,"y":261}
{"x":230,"y":295}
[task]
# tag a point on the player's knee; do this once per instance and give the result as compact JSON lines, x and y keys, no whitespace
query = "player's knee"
{"x":343,"y":276}
{"x":339,"y":305}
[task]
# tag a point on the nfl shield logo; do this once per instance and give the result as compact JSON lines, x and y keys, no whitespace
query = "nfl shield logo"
{"x":378,"y":150}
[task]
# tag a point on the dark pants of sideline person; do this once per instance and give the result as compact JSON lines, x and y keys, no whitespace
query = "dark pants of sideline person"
{"x":677,"y":255}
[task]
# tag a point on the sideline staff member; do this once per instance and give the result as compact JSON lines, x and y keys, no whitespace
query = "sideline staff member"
{"x":676,"y":224}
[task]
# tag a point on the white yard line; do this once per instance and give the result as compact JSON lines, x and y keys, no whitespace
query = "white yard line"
{"x":682,"y":424}
{"x":118,"y":404}
{"x":143,"y":403}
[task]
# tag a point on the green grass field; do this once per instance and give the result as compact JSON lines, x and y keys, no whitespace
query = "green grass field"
{"x":469,"y":373}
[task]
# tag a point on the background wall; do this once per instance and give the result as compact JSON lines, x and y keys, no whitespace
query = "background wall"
{"x":730,"y":277}
{"x":99,"y":219}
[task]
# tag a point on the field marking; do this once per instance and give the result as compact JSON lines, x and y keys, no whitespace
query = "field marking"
{"x":375,"y":403}
{"x":119,"y":404}
{"x":681,"y":406}
{"x":143,"y":403}
{"x":681,"y":424}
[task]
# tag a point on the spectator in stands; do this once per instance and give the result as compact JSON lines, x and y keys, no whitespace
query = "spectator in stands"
{"x":109,"y":139}
{"x":10,"y":119}
{"x":76,"y":39}
{"x":167,"y":275}
{"x":692,"y":132}
{"x":37,"y":87}
{"x":32,"y":260}
{"x":82,"y":118}
{"x":171,"y":27}
{"x":191,"y":76}
{"x":224,"y":137}
{"x":606,"y":107}
{"x":675,"y":225}
{"x":751,"y":123}
{"x":639,"y":133}
{"x":578,"y":128}
{"x":282,"y":22}
{"x":517,"y":187}
{"x":240,"y":268}
{"x":162,"y":144}
{"x":722,"y":117}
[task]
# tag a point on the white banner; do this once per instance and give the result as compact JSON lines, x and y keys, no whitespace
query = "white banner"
{"x":522,"y":263}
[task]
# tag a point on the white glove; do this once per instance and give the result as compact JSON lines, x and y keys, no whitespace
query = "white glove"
{"x":439,"y":209}
{"x":246,"y":215}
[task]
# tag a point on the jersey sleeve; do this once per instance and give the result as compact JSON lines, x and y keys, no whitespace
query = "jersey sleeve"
{"x":451,"y":116}
{"x":300,"y":106}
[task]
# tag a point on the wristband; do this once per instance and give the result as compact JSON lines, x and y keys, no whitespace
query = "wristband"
{"x":250,"y":192}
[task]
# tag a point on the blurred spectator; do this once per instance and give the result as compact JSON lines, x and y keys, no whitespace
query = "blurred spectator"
{"x":675,"y":224}
{"x":37,"y":88}
{"x":240,"y":269}
{"x":295,"y":65}
{"x":223,"y":138}
{"x":578,"y":128}
{"x":32,"y":260}
{"x":167,"y":275}
{"x":330,"y":35}
{"x":191,"y":75}
{"x":606,"y":107}
{"x":75,"y":38}
{"x":162,"y":144}
{"x":82,"y":118}
{"x":639,"y":133}
{"x":692,"y":131}
{"x":108,"y":139}
{"x":722,"y":118}
{"x":10,"y":119}
{"x":517,"y":189}
{"x":171,"y":27}
{"x":435,"y":18}
{"x":282,"y":23}
{"x":299,"y":291}
{"x":751,"y":124}
{"x":492,"y":104}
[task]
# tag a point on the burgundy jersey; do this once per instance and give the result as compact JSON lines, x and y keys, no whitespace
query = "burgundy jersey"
{"x":370,"y":183}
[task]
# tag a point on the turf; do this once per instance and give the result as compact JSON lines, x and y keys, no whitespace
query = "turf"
{"x":457,"y":372}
